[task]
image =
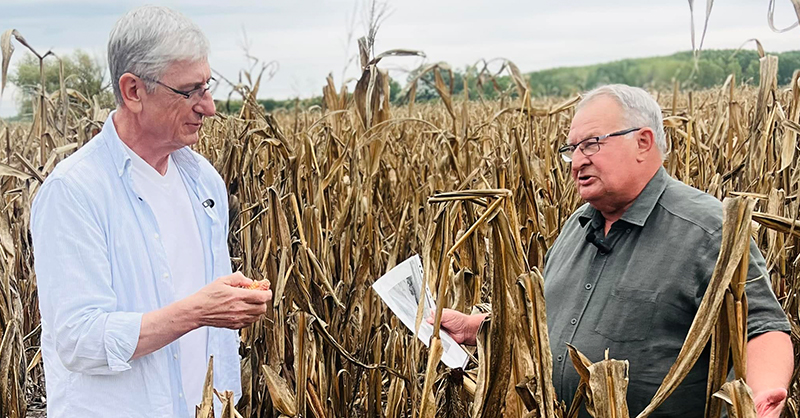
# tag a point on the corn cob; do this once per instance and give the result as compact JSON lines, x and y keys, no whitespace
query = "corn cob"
{"x":258,"y":285}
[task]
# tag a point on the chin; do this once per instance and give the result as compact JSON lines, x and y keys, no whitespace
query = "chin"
{"x":188,"y":140}
{"x":585,"y":194}
{"x":590,"y":197}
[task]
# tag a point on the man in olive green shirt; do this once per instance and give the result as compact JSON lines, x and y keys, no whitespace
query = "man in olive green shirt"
{"x":630,"y":267}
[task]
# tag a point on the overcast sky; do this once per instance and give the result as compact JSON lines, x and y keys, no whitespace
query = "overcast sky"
{"x":308,"y":38}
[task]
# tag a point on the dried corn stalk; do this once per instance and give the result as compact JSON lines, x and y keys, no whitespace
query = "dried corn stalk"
{"x":736,"y":215}
{"x":603,"y":386}
{"x":325,"y":200}
{"x":738,"y":398}
{"x":533,"y":345}
{"x":206,"y":407}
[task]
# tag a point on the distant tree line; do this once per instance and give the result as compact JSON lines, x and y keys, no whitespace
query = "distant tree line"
{"x":85,"y":75}
{"x":713,"y":67}
{"x":233,"y":106}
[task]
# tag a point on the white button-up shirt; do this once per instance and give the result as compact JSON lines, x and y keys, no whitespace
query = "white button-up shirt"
{"x":100,"y":265}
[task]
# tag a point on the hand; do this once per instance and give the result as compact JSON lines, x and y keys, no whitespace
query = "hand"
{"x":769,"y":403}
{"x":224,"y":304}
{"x":462,"y":327}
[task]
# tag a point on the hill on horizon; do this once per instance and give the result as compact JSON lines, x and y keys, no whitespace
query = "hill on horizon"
{"x":657,"y":72}
{"x":713,"y":68}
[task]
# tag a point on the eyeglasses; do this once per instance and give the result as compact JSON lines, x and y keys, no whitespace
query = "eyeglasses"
{"x":589,"y":146}
{"x":195,"y":94}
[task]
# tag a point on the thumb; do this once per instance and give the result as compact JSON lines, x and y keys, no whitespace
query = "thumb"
{"x":237,"y":280}
{"x":770,"y":398}
{"x":430,"y":318}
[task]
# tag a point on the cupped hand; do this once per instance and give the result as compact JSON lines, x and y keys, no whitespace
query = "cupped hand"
{"x":770,"y":403}
{"x":225,"y":304}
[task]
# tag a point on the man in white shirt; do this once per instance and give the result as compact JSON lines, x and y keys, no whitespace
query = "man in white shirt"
{"x":130,"y":242}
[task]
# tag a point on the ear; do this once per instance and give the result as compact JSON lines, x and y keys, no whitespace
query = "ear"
{"x":645,"y":143}
{"x":132,"y":89}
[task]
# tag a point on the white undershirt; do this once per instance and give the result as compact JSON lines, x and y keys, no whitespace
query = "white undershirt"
{"x":169,"y":200}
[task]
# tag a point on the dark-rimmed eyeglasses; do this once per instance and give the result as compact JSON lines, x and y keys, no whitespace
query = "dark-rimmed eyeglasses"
{"x":197,"y":92}
{"x":590,"y":146}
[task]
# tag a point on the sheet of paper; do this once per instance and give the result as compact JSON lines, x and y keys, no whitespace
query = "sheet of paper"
{"x":401,"y":289}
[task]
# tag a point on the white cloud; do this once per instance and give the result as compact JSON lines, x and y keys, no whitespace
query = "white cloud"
{"x":7,"y":106}
{"x":307,"y":37}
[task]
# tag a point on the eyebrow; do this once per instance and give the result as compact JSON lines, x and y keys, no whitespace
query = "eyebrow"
{"x":580,"y":140}
{"x":592,"y":135}
{"x":193,"y":86}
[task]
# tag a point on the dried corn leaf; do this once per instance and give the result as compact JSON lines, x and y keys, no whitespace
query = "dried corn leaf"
{"x":496,"y":345}
{"x":206,"y":407}
{"x":737,"y":213}
{"x":530,"y":287}
{"x":608,"y":383}
{"x":282,"y":397}
{"x":428,"y":407}
{"x":7,"y":49}
{"x":778,"y":223}
{"x":738,"y":398}
{"x":228,"y":407}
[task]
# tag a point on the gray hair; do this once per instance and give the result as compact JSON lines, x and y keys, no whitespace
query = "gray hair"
{"x":147,"y":40}
{"x":639,"y":109}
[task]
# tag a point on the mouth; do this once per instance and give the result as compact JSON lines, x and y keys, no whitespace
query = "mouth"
{"x":584,"y":179}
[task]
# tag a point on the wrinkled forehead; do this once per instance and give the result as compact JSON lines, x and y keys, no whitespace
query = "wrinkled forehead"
{"x":597,"y":117}
{"x":189,"y":71}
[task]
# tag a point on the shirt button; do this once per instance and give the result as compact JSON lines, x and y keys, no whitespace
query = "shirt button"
{"x":588,"y":286}
{"x":559,"y":358}
{"x":573,"y":321}
{"x":166,"y":275}
{"x":180,"y":395}
{"x":155,"y":236}
{"x":628,"y":231}
{"x":175,"y":356}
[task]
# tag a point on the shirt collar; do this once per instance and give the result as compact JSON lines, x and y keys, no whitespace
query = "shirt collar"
{"x":182,"y":157}
{"x":641,"y":208}
{"x":589,"y":213}
{"x":119,"y":156}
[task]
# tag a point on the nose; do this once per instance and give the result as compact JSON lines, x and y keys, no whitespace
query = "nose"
{"x":579,"y":160}
{"x":206,"y":106}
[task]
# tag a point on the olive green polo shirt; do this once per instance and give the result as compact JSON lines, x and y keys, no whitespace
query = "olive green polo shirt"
{"x":639,"y":299}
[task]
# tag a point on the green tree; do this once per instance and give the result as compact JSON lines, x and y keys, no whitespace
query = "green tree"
{"x":394,"y":90}
{"x":713,"y":67}
{"x":426,"y":90}
{"x":82,"y":73}
{"x":788,"y":62}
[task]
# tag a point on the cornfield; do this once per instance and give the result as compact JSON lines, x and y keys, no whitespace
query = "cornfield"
{"x":325,"y":200}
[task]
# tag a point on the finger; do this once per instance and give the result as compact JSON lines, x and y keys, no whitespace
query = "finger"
{"x":255,"y":297}
{"x":269,"y":296}
{"x":237,"y":279}
{"x":431,"y":316}
{"x":261,"y":297}
{"x":257,"y":308}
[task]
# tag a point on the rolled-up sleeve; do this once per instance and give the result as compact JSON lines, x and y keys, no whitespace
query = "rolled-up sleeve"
{"x":73,"y":275}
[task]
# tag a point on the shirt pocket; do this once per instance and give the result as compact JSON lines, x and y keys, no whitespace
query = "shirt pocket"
{"x":627,"y":315}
